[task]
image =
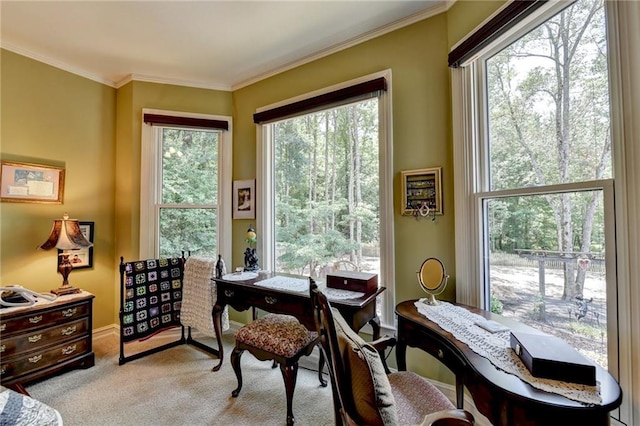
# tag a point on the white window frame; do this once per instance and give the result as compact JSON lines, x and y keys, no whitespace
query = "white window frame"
{"x":266,"y":192}
{"x":150,"y":195}
{"x":469,"y":131}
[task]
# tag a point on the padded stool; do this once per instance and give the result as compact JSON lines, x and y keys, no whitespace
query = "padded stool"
{"x":280,"y":338}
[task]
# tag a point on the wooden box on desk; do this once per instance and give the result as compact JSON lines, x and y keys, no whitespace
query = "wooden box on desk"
{"x":550,"y":357}
{"x":355,"y":281}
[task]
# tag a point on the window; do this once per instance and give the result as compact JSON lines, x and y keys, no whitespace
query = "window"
{"x":184,"y":178}
{"x":534,"y":152}
{"x":327,"y":171}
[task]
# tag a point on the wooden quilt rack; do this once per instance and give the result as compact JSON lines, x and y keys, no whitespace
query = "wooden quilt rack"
{"x":150,"y":304}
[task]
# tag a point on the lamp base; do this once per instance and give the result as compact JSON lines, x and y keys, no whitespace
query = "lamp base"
{"x":61,"y":291}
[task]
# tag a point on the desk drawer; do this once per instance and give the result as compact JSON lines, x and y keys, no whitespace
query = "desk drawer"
{"x":43,"y":337}
{"x":39,"y":359}
{"x":284,"y":303}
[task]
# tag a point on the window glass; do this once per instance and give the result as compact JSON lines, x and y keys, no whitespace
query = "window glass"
{"x":187,"y":214}
{"x":327,"y":191}
{"x":533,"y":279}
{"x":548,"y":148}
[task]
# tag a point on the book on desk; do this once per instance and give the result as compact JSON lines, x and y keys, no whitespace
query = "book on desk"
{"x":550,"y":357}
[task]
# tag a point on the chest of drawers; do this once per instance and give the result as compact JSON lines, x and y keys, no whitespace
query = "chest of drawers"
{"x":46,"y":338}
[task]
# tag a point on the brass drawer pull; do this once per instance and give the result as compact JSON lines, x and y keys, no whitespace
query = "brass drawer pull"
{"x":2,"y":348}
{"x":270,"y":300}
{"x":36,"y":319}
{"x":3,"y":369}
{"x":69,"y":350}
{"x":69,"y":330}
{"x":228,"y":293}
{"x":3,"y":327}
{"x":35,"y":359}
{"x":69,"y":312}
{"x":34,"y":338}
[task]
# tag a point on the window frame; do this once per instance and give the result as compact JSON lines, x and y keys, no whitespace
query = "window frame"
{"x":150,"y":190}
{"x":471,"y":177}
{"x":265,"y":189}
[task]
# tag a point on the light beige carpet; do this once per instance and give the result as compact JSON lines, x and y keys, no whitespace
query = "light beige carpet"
{"x":177,"y":387}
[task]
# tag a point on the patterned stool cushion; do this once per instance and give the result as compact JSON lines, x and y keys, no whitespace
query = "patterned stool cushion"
{"x":279,"y":334}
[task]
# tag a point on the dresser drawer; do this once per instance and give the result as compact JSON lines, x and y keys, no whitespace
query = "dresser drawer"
{"x":43,"y":337}
{"x":39,"y":359}
{"x":43,"y":318}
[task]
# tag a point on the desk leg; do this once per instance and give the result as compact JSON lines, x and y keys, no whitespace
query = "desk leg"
{"x":375,"y":326}
{"x":401,"y":355}
{"x":459,"y":393}
{"x":217,"y":325}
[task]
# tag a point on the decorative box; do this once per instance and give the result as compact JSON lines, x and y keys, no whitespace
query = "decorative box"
{"x":550,"y":357}
{"x":355,"y":281}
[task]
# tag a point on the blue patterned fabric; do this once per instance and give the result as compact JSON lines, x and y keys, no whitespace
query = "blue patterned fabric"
{"x":152,"y":298}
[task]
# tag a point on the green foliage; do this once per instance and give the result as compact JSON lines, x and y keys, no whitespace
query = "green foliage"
{"x":327,"y":189}
{"x":548,"y":114}
{"x":189,"y":178}
{"x":496,"y":305}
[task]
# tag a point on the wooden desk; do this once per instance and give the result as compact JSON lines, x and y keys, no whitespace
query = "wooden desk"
{"x":242,"y":295}
{"x":503,"y":398}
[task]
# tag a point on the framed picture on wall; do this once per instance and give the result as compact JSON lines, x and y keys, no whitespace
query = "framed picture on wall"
{"x":422,"y":192}
{"x":244,"y":199}
{"x":31,"y":183}
{"x":81,"y":258}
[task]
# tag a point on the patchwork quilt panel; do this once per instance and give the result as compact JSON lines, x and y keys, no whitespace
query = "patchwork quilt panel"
{"x":152,"y":297}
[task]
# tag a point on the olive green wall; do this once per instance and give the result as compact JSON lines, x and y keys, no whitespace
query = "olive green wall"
{"x":53,"y":117}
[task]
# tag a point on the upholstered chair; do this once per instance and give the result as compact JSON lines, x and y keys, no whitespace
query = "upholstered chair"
{"x":280,"y":338}
{"x":364,"y":392}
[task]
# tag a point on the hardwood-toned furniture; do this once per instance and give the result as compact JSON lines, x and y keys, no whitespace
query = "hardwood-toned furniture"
{"x":364,"y":392}
{"x":242,"y":295}
{"x":46,"y":338}
{"x":280,"y":338}
{"x":503,"y":398}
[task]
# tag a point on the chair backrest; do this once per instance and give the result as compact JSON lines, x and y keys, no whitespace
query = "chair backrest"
{"x":344,"y":404}
{"x":362,"y":393}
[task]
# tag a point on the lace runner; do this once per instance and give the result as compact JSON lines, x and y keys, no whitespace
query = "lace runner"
{"x":496,"y":348}
{"x":240,"y":276}
{"x":297,"y":285}
{"x":340,"y":294}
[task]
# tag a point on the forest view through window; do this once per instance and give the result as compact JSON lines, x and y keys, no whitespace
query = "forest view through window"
{"x":187,"y":213}
{"x":549,"y":159}
{"x":326,"y":167}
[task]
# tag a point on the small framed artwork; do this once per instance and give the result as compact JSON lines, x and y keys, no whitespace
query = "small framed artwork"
{"x":31,"y":183}
{"x":244,"y":199}
{"x":81,"y":258}
{"x":422,"y":192}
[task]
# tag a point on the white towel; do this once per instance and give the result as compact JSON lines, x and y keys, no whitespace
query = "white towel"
{"x":199,"y":296}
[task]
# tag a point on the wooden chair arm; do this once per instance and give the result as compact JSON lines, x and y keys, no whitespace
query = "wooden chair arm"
{"x":381,"y":345}
{"x":449,"y":418}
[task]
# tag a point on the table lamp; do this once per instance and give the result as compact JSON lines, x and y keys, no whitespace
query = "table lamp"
{"x":65,"y":235}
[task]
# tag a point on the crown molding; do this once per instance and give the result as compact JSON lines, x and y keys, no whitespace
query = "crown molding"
{"x":175,"y":82}
{"x":56,"y":63}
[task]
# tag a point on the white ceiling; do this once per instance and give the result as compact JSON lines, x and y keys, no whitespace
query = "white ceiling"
{"x":213,"y":44}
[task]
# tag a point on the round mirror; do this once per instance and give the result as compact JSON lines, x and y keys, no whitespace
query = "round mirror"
{"x":433,"y":279}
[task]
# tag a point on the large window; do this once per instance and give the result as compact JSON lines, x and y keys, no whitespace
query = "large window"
{"x":327,"y":173}
{"x":535,"y":178}
{"x":181,"y":185}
